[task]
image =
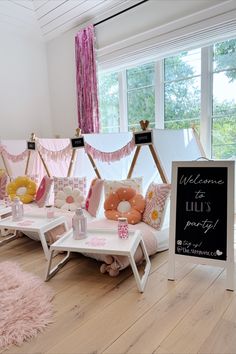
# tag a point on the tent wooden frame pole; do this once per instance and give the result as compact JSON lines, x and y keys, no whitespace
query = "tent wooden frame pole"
{"x":27,"y":162}
{"x":195,"y":133}
{"x":94,"y":165}
{"x":5,"y":165}
{"x":44,"y":164}
{"x":158,"y":164}
{"x":137,"y":151}
{"x":72,"y":160}
{"x":155,"y":158}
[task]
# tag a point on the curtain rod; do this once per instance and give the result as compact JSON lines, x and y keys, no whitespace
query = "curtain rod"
{"x":119,"y":13}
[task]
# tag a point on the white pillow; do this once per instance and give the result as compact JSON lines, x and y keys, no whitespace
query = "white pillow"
{"x":112,"y":185}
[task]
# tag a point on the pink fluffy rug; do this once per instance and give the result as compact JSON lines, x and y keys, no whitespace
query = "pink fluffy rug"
{"x":25,"y":305}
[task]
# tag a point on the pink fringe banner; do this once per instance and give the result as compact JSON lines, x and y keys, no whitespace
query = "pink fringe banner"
{"x":11,"y":157}
{"x":62,"y":154}
{"x":110,"y":156}
{"x":66,"y":153}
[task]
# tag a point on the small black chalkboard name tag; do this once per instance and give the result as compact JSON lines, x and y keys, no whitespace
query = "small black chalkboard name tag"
{"x":201,"y":212}
{"x":143,"y":138}
{"x":31,"y":145}
{"x":77,"y":143}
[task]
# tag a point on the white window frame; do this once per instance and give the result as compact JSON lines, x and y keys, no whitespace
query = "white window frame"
{"x":159,"y":94}
{"x":206,"y":97}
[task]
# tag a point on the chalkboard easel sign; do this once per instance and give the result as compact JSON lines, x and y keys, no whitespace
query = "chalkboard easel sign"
{"x":202,"y":214}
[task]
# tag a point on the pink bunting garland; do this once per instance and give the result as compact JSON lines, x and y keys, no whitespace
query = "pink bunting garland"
{"x":11,"y":157}
{"x":62,"y":154}
{"x":66,"y":153}
{"x":110,"y":156}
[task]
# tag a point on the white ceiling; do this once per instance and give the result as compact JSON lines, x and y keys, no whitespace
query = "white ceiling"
{"x":47,"y":19}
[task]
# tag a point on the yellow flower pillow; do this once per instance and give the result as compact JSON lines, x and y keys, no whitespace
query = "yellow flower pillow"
{"x":22,"y":187}
{"x":156,"y":201}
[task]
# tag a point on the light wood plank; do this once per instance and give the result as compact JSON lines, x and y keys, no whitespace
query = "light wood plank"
{"x":116,"y":319}
{"x":222,"y":339}
{"x":98,"y":313}
{"x":150,"y":330}
{"x":196,"y":326}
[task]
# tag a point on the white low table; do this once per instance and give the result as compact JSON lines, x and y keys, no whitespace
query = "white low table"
{"x":102,"y":241}
{"x":35,"y":223}
{"x":4,"y":212}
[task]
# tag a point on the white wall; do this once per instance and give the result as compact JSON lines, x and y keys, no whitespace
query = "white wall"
{"x":62,"y":83}
{"x":24,"y":92}
{"x":110,"y":35}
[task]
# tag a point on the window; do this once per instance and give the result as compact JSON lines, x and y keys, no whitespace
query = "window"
{"x":182,"y":90}
{"x":224,"y":100}
{"x":141,"y":95}
{"x":175,"y":83}
{"x":109,"y":102}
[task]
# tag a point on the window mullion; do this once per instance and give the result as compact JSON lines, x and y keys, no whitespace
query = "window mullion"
{"x":206,"y":99}
{"x":159,"y":94}
{"x":123,"y":101}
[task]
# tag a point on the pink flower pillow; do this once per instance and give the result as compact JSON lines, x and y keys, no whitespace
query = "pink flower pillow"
{"x":156,"y":202}
{"x":94,"y":196}
{"x":125,"y":202}
{"x":3,"y":184}
{"x":43,"y":191}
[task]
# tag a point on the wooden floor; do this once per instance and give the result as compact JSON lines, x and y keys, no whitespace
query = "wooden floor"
{"x":95,"y":313}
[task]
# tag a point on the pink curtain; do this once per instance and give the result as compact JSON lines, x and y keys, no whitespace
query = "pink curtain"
{"x":86,"y":81}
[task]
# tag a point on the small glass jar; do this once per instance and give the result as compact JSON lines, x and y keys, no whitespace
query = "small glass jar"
{"x":49,"y":211}
{"x":123,"y":228}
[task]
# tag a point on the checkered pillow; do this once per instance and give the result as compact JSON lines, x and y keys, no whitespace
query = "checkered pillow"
{"x":74,"y":182}
{"x":156,"y":201}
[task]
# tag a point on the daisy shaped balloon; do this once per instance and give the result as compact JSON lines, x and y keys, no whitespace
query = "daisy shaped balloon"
{"x":69,"y":199}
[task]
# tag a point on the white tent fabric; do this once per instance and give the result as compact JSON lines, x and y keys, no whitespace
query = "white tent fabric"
{"x":170,"y":145}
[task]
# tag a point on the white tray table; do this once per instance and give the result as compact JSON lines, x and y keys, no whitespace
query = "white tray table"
{"x":4,"y":212}
{"x":102,"y":241}
{"x":37,"y":224}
